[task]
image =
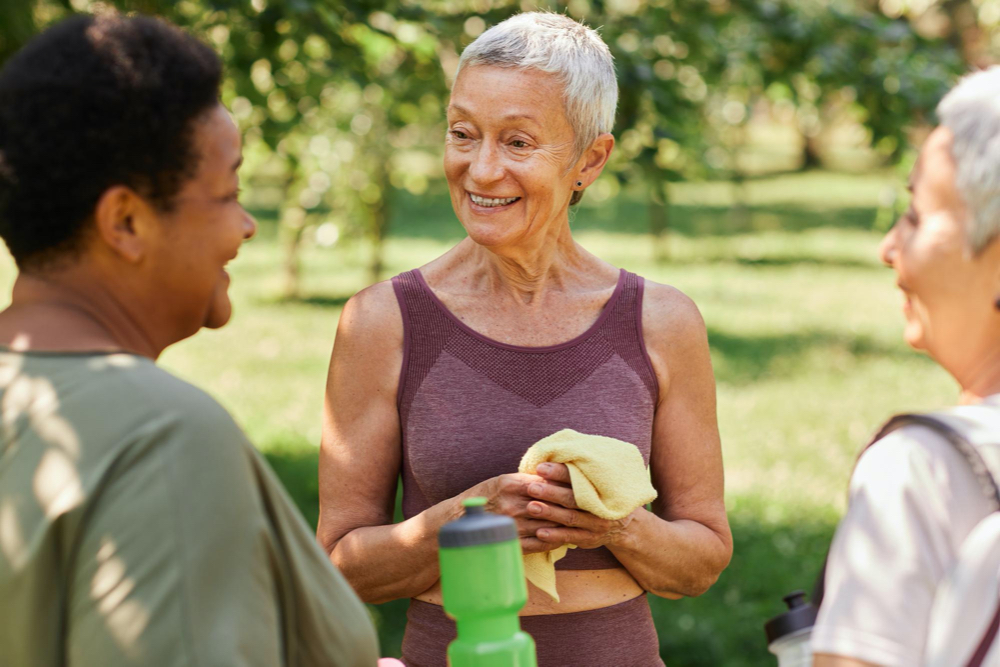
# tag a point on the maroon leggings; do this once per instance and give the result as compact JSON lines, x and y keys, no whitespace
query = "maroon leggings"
{"x":622,"y":635}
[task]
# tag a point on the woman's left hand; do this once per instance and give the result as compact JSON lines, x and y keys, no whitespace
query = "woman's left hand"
{"x":555,"y":502}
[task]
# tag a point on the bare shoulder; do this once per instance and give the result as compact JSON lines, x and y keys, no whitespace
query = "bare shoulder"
{"x":372,"y":316}
{"x":670,"y":318}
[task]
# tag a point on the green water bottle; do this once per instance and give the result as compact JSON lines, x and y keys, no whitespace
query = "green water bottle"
{"x":483,"y":585}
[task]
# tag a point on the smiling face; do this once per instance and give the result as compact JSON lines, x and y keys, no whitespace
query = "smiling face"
{"x":509,"y":155}
{"x":949,"y":292}
{"x":203,"y":231}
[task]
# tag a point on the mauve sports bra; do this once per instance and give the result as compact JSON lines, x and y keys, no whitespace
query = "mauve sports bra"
{"x":470,"y":406}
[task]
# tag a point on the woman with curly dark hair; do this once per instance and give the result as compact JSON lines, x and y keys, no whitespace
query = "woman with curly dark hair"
{"x":138,"y":526}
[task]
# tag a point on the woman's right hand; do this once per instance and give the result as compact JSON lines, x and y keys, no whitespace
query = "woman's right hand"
{"x":508,"y":495}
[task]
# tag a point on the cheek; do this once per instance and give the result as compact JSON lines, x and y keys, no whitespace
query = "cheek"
{"x":455,"y":162}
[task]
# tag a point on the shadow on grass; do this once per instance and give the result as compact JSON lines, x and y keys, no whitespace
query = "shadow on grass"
{"x":722,"y":627}
{"x":431,"y":217}
{"x":800,"y":260}
{"x":317,"y":300}
{"x":322,"y":300}
{"x":741,"y":360}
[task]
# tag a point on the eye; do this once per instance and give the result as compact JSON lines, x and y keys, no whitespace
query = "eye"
{"x":458,"y":134}
{"x":519,"y":143}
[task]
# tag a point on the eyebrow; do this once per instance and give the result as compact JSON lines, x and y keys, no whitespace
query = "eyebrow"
{"x":512,"y":116}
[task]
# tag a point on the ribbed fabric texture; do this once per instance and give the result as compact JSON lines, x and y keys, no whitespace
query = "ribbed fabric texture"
{"x":470,"y":407}
{"x":622,"y":635}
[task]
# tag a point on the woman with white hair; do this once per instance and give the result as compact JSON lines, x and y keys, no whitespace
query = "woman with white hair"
{"x":448,"y":373}
{"x":915,"y":498}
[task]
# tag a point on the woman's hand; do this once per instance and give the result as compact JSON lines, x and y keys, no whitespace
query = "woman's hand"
{"x":508,"y":495}
{"x":554,"y":502}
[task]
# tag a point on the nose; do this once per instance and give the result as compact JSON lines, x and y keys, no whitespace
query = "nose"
{"x":486,"y":166}
{"x":249,"y":226}
{"x":887,"y":247}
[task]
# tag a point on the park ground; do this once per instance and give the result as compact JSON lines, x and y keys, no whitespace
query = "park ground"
{"x":805,"y":330}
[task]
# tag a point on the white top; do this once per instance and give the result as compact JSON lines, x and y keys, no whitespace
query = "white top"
{"x":913,"y":501}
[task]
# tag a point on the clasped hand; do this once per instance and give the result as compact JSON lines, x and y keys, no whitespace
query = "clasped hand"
{"x":545,"y":510}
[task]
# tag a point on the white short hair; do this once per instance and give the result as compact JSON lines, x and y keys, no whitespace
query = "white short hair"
{"x":556,"y":44}
{"x":971,"y":110}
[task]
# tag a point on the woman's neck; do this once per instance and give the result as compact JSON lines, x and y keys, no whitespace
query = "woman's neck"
{"x":979,"y":377}
{"x":530,"y":269}
{"x":71,"y":310}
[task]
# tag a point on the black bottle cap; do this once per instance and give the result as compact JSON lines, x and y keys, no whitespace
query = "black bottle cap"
{"x":800,"y":615}
{"x":477,"y":526}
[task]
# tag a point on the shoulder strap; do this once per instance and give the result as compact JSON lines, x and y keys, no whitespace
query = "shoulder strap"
{"x":977,"y":464}
{"x":987,"y":485}
{"x":968,"y":451}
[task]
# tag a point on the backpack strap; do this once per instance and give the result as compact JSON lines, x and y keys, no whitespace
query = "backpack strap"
{"x":977,"y":464}
{"x":987,"y":484}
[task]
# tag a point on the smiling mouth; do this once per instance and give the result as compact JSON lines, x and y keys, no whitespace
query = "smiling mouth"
{"x":488,"y":202}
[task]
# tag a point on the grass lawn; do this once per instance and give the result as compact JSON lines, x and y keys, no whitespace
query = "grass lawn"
{"x":805,"y":329}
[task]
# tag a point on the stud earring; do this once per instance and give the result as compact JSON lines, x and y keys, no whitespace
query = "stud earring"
{"x":579,"y":184}
{"x":996,"y":304}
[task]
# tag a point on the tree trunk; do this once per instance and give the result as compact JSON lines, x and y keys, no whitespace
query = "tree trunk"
{"x":379,"y":222}
{"x":739,"y":213}
{"x":964,"y":33}
{"x":810,"y":153}
{"x":291,"y":225}
{"x":659,"y":218}
{"x":292,"y":271}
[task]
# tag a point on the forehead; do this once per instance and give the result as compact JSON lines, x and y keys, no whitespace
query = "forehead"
{"x":217,"y":140}
{"x":933,"y":176}
{"x":488,"y":93}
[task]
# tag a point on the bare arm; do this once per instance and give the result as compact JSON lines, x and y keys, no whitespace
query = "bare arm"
{"x":360,"y":459}
{"x":684,"y":544}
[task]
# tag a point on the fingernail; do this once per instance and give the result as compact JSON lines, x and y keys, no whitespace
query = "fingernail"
{"x":545,"y":467}
{"x":534,"y":508}
{"x":542,"y":533}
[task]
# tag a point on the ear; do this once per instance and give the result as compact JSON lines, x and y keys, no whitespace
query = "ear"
{"x":121,"y":219}
{"x":591,"y":163}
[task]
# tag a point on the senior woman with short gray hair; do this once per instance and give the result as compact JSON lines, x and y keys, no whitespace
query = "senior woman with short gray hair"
{"x":915,"y":499}
{"x":448,"y":373}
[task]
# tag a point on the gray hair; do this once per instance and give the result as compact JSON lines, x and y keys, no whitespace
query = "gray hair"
{"x":556,"y":44}
{"x":971,"y":110}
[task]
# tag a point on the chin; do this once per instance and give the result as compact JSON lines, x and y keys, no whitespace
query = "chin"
{"x":218,"y":316}
{"x":914,"y":337}
{"x":489,"y":235}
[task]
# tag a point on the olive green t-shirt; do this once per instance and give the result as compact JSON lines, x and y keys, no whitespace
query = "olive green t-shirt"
{"x":138,"y":526}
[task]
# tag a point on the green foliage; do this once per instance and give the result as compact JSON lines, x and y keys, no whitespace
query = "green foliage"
{"x":342,"y":102}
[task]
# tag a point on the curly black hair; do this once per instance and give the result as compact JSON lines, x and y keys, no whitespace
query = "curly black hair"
{"x":94,"y":102}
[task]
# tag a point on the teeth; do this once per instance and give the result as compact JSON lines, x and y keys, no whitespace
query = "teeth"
{"x":485,"y":201}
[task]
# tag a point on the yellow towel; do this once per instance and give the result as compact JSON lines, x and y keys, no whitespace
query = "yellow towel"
{"x":609,"y":480}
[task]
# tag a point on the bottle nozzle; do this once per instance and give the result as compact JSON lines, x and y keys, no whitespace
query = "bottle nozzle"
{"x":475,"y":505}
{"x":795,"y":599}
